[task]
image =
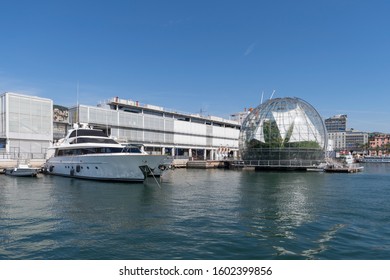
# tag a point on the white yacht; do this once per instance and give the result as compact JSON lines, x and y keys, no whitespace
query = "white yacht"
{"x":90,"y":154}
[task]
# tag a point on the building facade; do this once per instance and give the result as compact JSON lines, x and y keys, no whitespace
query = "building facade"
{"x":336,"y":123}
{"x":345,"y":140}
{"x":161,"y":131}
{"x":356,"y":141}
{"x":26,"y":126}
{"x":380,"y":145}
{"x":339,"y":140}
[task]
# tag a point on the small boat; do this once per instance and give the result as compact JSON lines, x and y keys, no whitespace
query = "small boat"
{"x":22,"y":170}
{"x":354,"y":168}
{"x":347,"y":166}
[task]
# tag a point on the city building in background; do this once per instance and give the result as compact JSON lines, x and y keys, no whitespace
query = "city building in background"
{"x":26,"y":125}
{"x":336,"y":123}
{"x":338,"y":139}
{"x":345,"y":140}
{"x":379,"y":145}
{"x":356,"y":141}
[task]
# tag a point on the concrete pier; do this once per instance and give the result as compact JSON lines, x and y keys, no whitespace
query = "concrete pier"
{"x":205,"y":164}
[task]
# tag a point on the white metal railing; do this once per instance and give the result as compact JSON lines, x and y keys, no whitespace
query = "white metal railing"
{"x":16,"y":156}
{"x":277,"y":163}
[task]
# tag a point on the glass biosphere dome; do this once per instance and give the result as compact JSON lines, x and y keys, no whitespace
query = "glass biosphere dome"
{"x":283,"y":132}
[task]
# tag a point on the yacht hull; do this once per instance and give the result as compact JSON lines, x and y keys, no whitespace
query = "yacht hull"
{"x":106,"y":167}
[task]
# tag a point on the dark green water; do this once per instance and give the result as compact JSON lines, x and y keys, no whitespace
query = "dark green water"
{"x":199,"y":214}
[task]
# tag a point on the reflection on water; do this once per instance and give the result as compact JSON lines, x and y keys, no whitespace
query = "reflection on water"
{"x":199,"y":214}
{"x":277,"y":205}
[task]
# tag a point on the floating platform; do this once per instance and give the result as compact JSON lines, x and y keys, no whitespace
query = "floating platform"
{"x":278,"y":165}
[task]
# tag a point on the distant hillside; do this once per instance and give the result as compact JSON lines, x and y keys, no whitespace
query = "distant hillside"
{"x":60,"y":113}
{"x":59,"y":107}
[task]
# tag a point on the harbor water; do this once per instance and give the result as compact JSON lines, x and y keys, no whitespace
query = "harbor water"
{"x":199,"y":214}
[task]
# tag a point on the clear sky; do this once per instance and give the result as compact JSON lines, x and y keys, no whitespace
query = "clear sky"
{"x":214,"y":56}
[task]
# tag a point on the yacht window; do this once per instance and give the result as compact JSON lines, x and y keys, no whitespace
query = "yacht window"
{"x":93,"y":140}
{"x":87,"y":132}
{"x":132,"y":149}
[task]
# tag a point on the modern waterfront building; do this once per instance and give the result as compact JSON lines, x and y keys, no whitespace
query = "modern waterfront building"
{"x":158,"y":130}
{"x":283,"y":133}
{"x":26,"y":126}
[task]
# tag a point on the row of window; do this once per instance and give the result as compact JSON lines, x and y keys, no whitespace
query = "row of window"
{"x":151,"y":120}
{"x":81,"y":167}
{"x":106,"y":150}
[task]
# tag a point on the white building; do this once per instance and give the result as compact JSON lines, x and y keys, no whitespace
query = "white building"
{"x":338,"y":139}
{"x":26,"y":125}
{"x":160,"y":130}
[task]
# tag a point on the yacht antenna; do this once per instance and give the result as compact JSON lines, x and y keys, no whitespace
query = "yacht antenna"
{"x":77,"y":104}
{"x":77,"y":109}
{"x":262,"y":95}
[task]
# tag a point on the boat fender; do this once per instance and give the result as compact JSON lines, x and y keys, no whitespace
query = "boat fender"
{"x":51,"y":168}
{"x":72,"y":172}
{"x":78,"y":168}
{"x":162,"y":167}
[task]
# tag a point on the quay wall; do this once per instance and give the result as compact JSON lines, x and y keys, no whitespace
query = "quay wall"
{"x":9,"y":163}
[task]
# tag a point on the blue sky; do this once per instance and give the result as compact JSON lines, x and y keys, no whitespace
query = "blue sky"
{"x":214,"y":56}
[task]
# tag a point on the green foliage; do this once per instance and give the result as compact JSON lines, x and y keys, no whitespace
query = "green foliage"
{"x":272,"y":135}
{"x":305,"y":145}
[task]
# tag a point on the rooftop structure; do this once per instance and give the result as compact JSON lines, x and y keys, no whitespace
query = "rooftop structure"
{"x":240,"y":116}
